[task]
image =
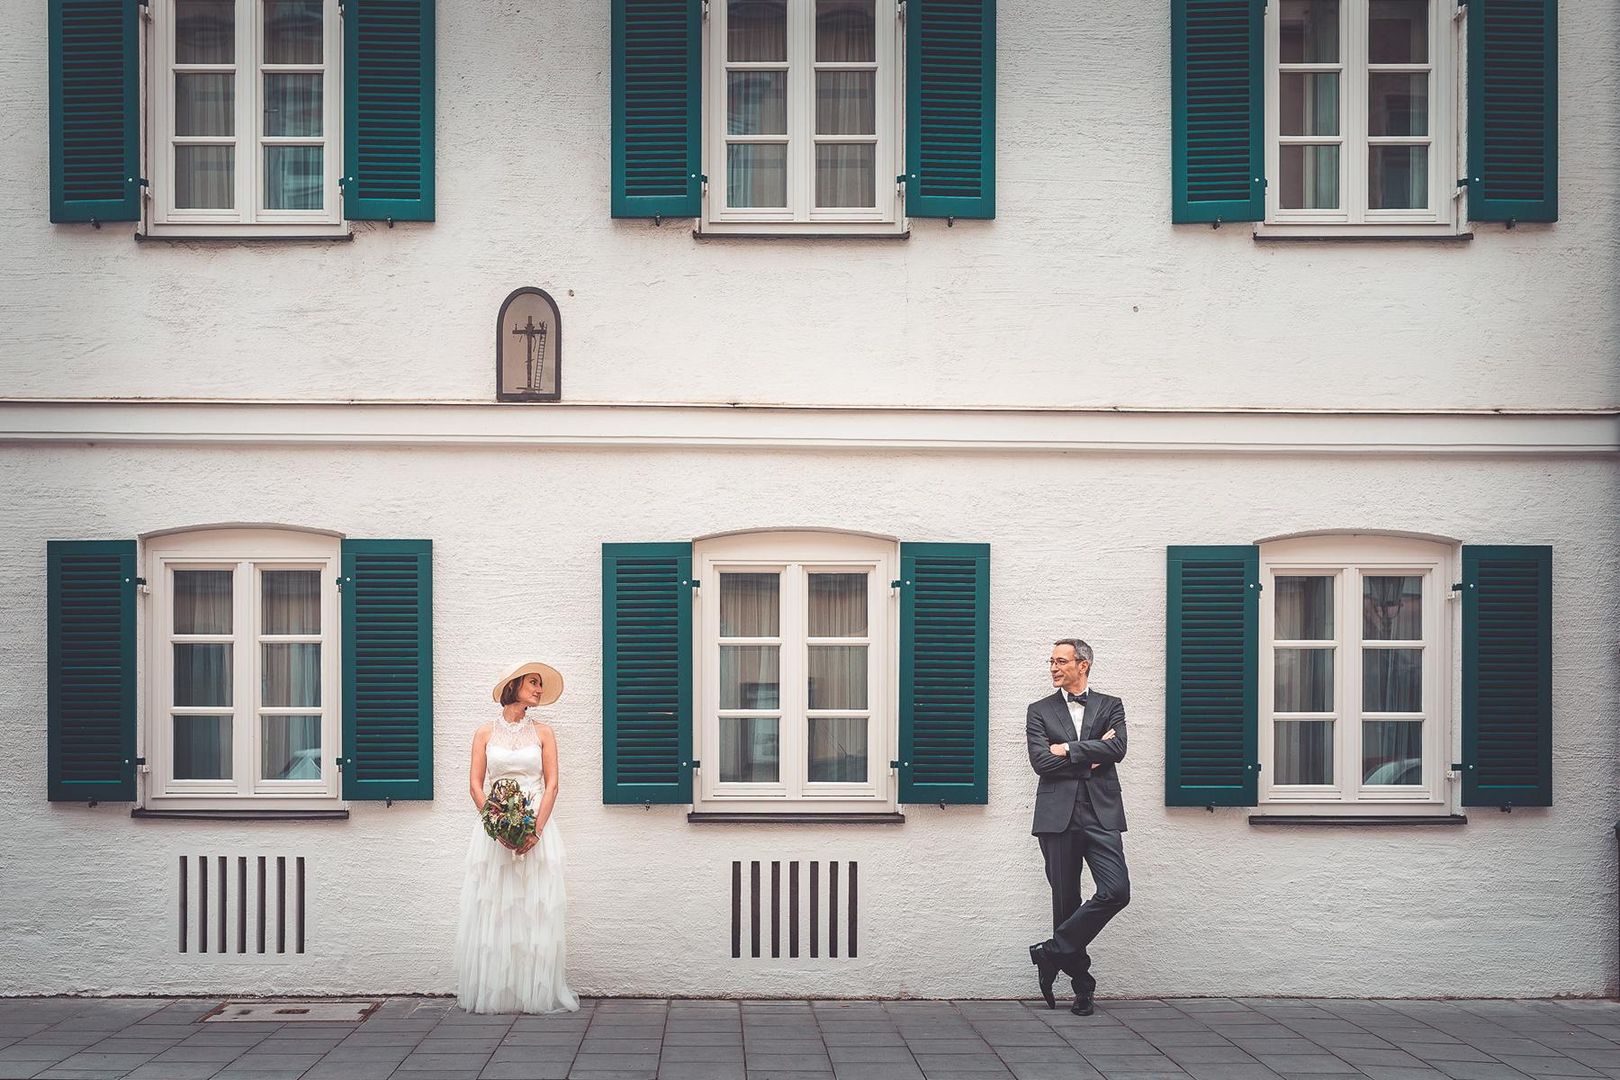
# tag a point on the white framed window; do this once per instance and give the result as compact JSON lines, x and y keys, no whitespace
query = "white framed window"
{"x":797,"y":672}
{"x":244,"y":118}
{"x":1361,"y":109}
{"x":801,"y":115}
{"x":1355,"y":672}
{"x":242,"y":673}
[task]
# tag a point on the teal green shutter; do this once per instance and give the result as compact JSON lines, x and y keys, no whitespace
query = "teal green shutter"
{"x":387,"y":588}
{"x":388,"y":107}
{"x":95,"y":110}
{"x":1212,"y":660}
{"x":944,"y":673}
{"x":1507,"y":676}
{"x":656,"y":102}
{"x":1513,"y":110}
{"x":951,"y":108}
{"x":1217,"y":117}
{"x":90,"y":670}
{"x":647,"y":673}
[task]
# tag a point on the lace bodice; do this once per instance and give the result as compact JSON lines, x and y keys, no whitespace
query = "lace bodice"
{"x":513,"y":751}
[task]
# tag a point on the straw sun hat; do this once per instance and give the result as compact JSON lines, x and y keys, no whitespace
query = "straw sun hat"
{"x":551,"y":681}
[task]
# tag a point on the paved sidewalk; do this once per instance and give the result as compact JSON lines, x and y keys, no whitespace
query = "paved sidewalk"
{"x":1172,"y":1039}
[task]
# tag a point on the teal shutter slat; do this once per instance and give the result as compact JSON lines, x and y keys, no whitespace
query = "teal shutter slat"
{"x":1513,"y":110}
{"x":90,"y":662}
{"x":1217,"y":152}
{"x":95,"y":103}
{"x":1212,"y":703}
{"x":388,"y":110}
{"x":944,"y":673}
{"x":656,"y":101}
{"x":951,"y":108}
{"x":647,"y":673}
{"x":387,"y":591}
{"x":1507,"y":676}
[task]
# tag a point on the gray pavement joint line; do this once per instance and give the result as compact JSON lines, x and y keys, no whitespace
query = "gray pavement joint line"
{"x":1005,"y":1064}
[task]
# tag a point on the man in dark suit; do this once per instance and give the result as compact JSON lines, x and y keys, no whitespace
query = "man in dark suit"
{"x":1076,"y":737}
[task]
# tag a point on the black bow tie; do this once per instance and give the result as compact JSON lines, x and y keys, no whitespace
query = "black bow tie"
{"x":1078,"y":699}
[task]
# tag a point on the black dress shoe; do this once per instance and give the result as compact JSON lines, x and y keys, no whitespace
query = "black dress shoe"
{"x":1082,"y":1006}
{"x":1046,"y":966}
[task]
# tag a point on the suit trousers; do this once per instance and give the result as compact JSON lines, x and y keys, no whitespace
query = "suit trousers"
{"x":1075,"y":924}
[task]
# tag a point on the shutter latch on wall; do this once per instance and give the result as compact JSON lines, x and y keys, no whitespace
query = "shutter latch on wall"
{"x":900,"y":583}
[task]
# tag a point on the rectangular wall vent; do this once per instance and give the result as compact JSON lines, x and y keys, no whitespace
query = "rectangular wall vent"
{"x":817,"y":905}
{"x":241,"y":904}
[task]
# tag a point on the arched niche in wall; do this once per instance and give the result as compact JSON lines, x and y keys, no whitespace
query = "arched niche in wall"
{"x":528,"y":347}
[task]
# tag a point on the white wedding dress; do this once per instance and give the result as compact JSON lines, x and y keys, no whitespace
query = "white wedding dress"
{"x":511,"y":944}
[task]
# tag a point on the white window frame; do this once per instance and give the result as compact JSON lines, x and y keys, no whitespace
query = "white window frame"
{"x":247,"y":552}
{"x":1443,"y":217}
{"x":794,"y":554}
{"x":246,"y":218}
{"x":1346,"y":559}
{"x":800,"y":215}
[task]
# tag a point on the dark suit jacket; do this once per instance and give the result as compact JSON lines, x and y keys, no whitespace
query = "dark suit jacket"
{"x":1048,"y":722}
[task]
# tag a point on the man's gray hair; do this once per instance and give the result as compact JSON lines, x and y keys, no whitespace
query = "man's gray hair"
{"x":1081,"y":649}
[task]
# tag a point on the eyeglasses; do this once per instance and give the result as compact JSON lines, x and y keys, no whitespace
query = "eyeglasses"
{"x":1055,"y":662}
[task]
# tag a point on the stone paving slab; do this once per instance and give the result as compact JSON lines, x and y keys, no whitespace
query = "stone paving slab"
{"x":614,"y":1039}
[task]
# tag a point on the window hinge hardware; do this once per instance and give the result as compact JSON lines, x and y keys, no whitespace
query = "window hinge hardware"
{"x":342,"y":581}
{"x":340,"y":762}
{"x":1462,"y":182}
{"x":690,"y":583}
{"x":898,"y":764}
{"x":900,"y":10}
{"x":140,"y":761}
{"x":899,"y":583}
{"x":658,"y":219}
{"x":1457,"y":766}
{"x":697,"y":764}
{"x":388,"y":801}
{"x":1506,"y":808}
{"x":705,"y":10}
{"x":1215,"y":224}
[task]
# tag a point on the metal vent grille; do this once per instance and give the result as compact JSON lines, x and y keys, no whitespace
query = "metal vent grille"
{"x":241,"y":904}
{"x":814,"y":905}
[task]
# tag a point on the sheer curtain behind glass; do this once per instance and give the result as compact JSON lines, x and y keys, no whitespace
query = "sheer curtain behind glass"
{"x":202,"y":674}
{"x":294,"y":175}
{"x":846,"y":103}
{"x":1392,"y":679}
{"x":1303,"y":679}
{"x":291,"y":675}
{"x":756,"y":103}
{"x":750,"y":678}
{"x":204,"y":104}
{"x":837,"y":678}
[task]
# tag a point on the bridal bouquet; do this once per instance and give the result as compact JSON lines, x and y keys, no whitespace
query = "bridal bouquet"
{"x":508,"y":814}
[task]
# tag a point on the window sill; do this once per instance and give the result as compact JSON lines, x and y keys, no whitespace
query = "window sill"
{"x":1359,"y":234}
{"x":244,"y":238}
{"x":1365,"y":819}
{"x":241,"y":815}
{"x":698,"y":817}
{"x":727,"y":234}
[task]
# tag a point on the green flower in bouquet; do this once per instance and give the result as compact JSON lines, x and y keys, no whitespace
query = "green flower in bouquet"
{"x":508,"y":814}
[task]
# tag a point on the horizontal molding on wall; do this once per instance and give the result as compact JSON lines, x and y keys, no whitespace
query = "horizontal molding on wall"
{"x":607,"y":425}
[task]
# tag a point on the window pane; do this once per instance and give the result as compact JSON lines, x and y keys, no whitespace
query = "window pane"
{"x":748,"y":605}
{"x":1397,"y":177}
{"x":1309,"y":32}
{"x":292,"y":105}
{"x":292,"y":601}
{"x":1392,"y":752}
{"x":1304,"y":751}
{"x":1304,"y":609}
{"x":748,"y":750}
{"x":749,"y":677}
{"x":756,"y":103}
{"x":846,"y":31}
{"x":1304,"y":680}
{"x":837,"y":677}
{"x":1392,"y":680}
{"x":756,"y":30}
{"x":838,"y":750}
{"x":292,"y":31}
{"x":205,"y":177}
{"x":756,"y":175}
{"x":291,"y":747}
{"x":202,"y":601}
{"x":1309,"y":103}
{"x":202,"y":675}
{"x":846,"y":103}
{"x":846,"y":175}
{"x":837,"y":605}
{"x":1310,"y":177}
{"x":204,"y":31}
{"x":293,"y":178}
{"x":1398,"y":32}
{"x":1397,"y":103}
{"x":292,"y":676}
{"x":204,"y":103}
{"x":1392,"y":608}
{"x":202,"y":747}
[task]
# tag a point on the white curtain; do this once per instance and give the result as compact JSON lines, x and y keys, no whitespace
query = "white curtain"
{"x":205,"y":104}
{"x":846,"y":103}
{"x":1304,"y":751}
{"x":290,"y":604}
{"x":202,"y":673}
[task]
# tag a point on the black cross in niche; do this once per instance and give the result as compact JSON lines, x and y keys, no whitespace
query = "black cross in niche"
{"x":536,"y":344}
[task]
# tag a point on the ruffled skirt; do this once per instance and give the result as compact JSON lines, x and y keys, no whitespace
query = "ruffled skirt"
{"x":511,"y":943}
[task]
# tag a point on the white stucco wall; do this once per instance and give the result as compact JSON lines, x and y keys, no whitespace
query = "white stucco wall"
{"x":1506,"y":905}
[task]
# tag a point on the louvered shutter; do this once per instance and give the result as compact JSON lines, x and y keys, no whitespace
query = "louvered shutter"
{"x":951,"y":108}
{"x":1507,"y":676}
{"x":388,"y":110}
{"x":656,"y":101}
{"x":1217,"y":151}
{"x":387,"y":588}
{"x":1212,"y":642}
{"x":90,"y":670}
{"x":944,"y":673}
{"x":95,"y":100}
{"x":1513,"y":110}
{"x":647,"y":673}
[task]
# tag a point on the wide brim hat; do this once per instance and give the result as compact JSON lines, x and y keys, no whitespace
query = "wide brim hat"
{"x":551,"y":681}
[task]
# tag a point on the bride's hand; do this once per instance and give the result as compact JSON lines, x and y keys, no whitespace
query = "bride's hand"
{"x":528,"y":845}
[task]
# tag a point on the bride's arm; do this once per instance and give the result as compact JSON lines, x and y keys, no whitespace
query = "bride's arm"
{"x":548,"y":798}
{"x":475,"y":781}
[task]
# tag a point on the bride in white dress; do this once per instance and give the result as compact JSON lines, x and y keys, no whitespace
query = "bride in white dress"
{"x":511,"y":945}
